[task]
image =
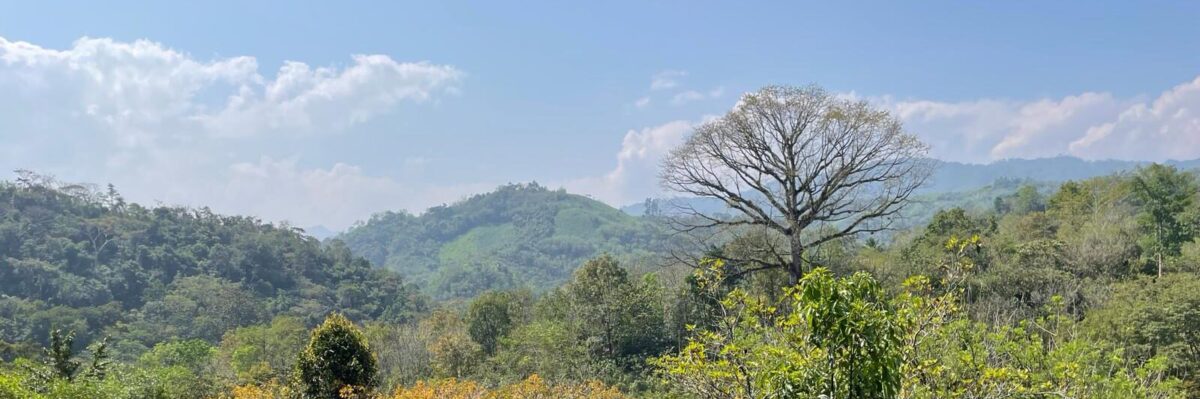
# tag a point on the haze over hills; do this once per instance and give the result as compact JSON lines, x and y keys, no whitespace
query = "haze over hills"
{"x":957,"y":176}
{"x":996,"y":178}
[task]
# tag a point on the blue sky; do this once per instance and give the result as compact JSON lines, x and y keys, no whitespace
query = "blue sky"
{"x":263,"y":108}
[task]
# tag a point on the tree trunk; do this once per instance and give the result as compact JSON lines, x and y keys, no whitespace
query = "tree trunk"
{"x":796,"y":267}
{"x":1160,"y":264}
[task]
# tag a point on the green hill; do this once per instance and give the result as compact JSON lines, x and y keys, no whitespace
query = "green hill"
{"x":75,"y":258}
{"x":519,"y":235}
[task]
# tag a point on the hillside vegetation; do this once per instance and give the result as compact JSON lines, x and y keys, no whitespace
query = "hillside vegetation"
{"x":74,"y":258}
{"x":1087,"y":290}
{"x":521,"y":235}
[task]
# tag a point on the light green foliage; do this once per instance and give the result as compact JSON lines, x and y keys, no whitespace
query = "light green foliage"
{"x":337,"y":356}
{"x":402,"y":351}
{"x":989,"y":198}
{"x":199,"y":307}
{"x":949,"y":355}
{"x":1155,"y":317}
{"x":920,"y":344}
{"x":452,"y":351}
{"x":833,"y":337}
{"x":181,"y":369}
{"x":1033,"y":304}
{"x":601,"y":325}
{"x":548,"y":348}
{"x":263,"y":352}
{"x":1038,"y":358}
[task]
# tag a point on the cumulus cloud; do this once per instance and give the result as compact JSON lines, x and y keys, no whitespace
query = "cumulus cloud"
{"x":166,"y":126}
{"x":642,"y":102}
{"x":142,"y":91}
{"x":635,"y":176}
{"x":1166,"y":128}
{"x":1090,"y":125}
{"x":302,"y":98}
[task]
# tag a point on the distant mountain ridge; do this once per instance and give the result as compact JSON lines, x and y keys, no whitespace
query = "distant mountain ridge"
{"x":956,"y":176}
{"x":951,"y":177}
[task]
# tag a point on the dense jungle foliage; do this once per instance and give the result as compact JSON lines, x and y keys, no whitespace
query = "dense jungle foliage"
{"x":1087,"y":289}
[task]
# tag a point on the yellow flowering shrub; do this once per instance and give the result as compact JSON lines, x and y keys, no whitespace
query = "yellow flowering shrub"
{"x":531,"y":388}
{"x":270,"y":390}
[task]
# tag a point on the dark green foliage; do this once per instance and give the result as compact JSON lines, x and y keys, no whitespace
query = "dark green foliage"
{"x":492,"y":315}
{"x":995,"y":313}
{"x":59,"y":356}
{"x":61,"y":362}
{"x":521,"y":235}
{"x":337,"y":356}
{"x":614,"y":313}
{"x":1164,"y":195}
{"x":78,"y":259}
{"x":1027,"y":199}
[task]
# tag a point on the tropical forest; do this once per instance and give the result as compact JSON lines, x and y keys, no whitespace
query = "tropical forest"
{"x":180,"y":225}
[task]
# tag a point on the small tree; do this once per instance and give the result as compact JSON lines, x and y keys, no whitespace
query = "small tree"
{"x":61,"y":362}
{"x":613,"y":312}
{"x":1165,"y":195}
{"x":489,"y":319}
{"x":59,"y":357}
{"x":337,"y":357}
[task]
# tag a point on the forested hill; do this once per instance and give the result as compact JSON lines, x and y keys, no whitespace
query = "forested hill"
{"x":82,"y":260}
{"x":521,"y":235}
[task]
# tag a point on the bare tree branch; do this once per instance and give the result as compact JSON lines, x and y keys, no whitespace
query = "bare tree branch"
{"x":790,"y":159}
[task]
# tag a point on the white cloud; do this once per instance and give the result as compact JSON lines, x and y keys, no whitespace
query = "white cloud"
{"x":141,"y":92}
{"x":1167,"y":128}
{"x":667,"y":79}
{"x":302,"y":98}
{"x":642,"y":102}
{"x":693,"y":95}
{"x":1090,"y":125}
{"x":635,"y":176}
{"x":166,"y":126}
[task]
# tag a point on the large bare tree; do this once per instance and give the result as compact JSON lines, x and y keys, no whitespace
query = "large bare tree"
{"x":799,"y":162}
